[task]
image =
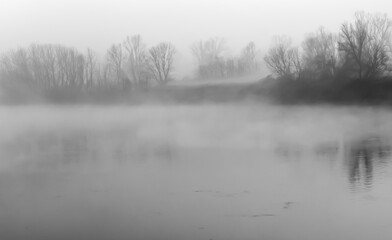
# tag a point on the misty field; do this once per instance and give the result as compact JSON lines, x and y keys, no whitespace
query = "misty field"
{"x":195,"y":172}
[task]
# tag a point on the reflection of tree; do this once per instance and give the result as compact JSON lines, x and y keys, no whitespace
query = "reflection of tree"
{"x":74,"y":147}
{"x":329,"y":150}
{"x":361,"y":158}
{"x":58,"y":149}
{"x":364,"y":156}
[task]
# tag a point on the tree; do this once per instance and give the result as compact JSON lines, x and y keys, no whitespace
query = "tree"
{"x":67,"y":67}
{"x":366,"y":43}
{"x":137,"y":59}
{"x":115,"y":58}
{"x":208,"y":51}
{"x":44,"y":62}
{"x":42,"y":67}
{"x":90,"y":68}
{"x":161,"y":61}
{"x":248,"y":57}
{"x":199,"y":52}
{"x":320,"y":54}
{"x":297,"y":62}
{"x":209,"y":57}
{"x":14,"y":68}
{"x":282,"y":59}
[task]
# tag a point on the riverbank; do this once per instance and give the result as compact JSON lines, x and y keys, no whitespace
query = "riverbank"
{"x":267,"y":90}
{"x":188,"y":93}
{"x":335,"y":92}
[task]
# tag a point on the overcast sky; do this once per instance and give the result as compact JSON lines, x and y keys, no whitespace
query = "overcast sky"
{"x":99,"y":23}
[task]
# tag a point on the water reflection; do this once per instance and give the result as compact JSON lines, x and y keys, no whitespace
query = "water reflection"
{"x":198,"y":179}
{"x":288,"y":150}
{"x":57,"y":149}
{"x":364,"y":158}
{"x":329,"y":150}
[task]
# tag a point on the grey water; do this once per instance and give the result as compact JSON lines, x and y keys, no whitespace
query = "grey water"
{"x":195,"y":172}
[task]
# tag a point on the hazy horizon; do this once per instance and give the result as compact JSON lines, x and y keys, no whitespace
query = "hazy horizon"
{"x":107,"y":146}
{"x":99,"y":24}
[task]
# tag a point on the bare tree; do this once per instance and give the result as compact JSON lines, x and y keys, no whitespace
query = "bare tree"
{"x":161,"y":61}
{"x":44,"y":64}
{"x":69,"y":66}
{"x":47,"y":66}
{"x":199,"y":52}
{"x":61,"y":59}
{"x":215,"y":47}
{"x":15,"y":68}
{"x":208,"y":51}
{"x":282,"y":59}
{"x":209,"y":57}
{"x":248,"y":57}
{"x":137,"y":58}
{"x":80,"y":70}
{"x":90,"y":68}
{"x":104,"y":74}
{"x":366,"y":43}
{"x":297,"y":62}
{"x":320,"y":53}
{"x":115,"y":58}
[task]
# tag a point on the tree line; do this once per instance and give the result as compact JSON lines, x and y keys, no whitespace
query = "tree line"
{"x":212,"y":63}
{"x":127,"y":65}
{"x":361,"y":50}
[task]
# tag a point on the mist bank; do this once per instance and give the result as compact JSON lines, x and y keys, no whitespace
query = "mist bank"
{"x":131,"y":172}
{"x":250,"y":90}
{"x":176,"y":92}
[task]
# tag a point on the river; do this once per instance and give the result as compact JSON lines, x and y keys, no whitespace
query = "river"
{"x":245,"y":171}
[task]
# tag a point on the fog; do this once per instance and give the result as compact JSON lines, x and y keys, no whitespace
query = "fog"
{"x":195,"y":120}
{"x":212,"y":171}
{"x":98,"y":24}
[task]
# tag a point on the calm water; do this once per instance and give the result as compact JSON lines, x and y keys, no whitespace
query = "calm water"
{"x":195,"y":172}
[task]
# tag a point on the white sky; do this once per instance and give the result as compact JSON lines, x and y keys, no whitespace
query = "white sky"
{"x":98,"y":24}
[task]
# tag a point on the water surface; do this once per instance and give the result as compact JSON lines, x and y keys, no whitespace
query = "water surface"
{"x":195,"y":172}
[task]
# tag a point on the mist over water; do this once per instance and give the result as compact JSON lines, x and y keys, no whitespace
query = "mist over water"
{"x":195,"y":120}
{"x":195,"y":172}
